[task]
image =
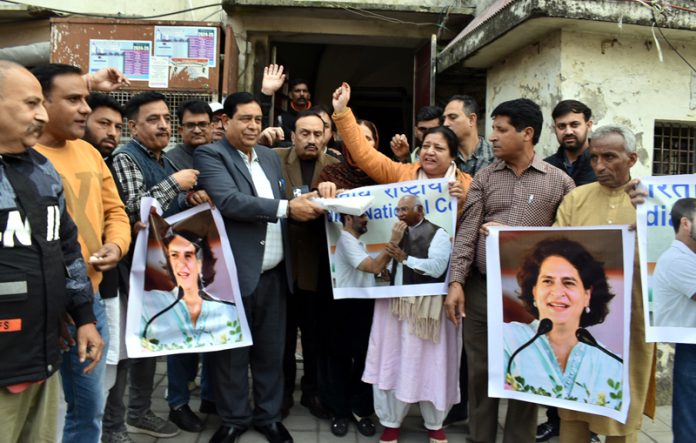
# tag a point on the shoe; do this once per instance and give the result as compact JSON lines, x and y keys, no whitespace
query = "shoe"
{"x":457,"y":414}
{"x":546,"y":431}
{"x":275,"y":433}
{"x":594,"y":438}
{"x":185,"y":419}
{"x":390,"y":435}
{"x":339,"y":427}
{"x":227,"y":434}
{"x":437,"y":436}
{"x":150,"y":424}
{"x":116,"y":437}
{"x":365,"y":425}
{"x":208,"y":407}
{"x":315,"y":407}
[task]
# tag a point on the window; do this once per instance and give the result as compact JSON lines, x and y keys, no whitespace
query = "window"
{"x":674,"y":148}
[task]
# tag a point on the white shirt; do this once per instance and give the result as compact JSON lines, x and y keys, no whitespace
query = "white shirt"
{"x":674,"y":282}
{"x":273,"y":250}
{"x":350,"y":252}
{"x":434,"y":265}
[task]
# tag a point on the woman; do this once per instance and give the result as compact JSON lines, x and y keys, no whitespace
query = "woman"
{"x":562,"y":282}
{"x":403,"y":367}
{"x":187,"y":316}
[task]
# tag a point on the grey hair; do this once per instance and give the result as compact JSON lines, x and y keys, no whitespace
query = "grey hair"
{"x":627,"y":134}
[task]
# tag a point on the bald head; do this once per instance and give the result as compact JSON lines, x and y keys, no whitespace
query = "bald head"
{"x":410,"y":210}
{"x":22,"y":114}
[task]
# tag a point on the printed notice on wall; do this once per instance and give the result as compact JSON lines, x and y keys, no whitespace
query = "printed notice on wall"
{"x":159,"y":72}
{"x":132,"y":57}
{"x":192,"y":42}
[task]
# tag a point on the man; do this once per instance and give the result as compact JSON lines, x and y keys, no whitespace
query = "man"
{"x":355,"y":268}
{"x":612,"y":153}
{"x":195,"y":130}
{"x":43,"y":272}
{"x":423,"y":254}
{"x":103,"y":229}
{"x":301,"y":165}
{"x":245,"y":182}
{"x":143,"y":170}
{"x":461,"y":116}
{"x":675,"y":282}
{"x":572,"y":123}
{"x":216,"y":120}
{"x":299,"y":96}
{"x":103,"y":131}
{"x":517,"y":189}
{"x":427,"y":117}
{"x":104,"y":124}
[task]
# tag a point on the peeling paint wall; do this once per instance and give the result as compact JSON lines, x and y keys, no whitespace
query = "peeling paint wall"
{"x":622,"y":79}
{"x":533,"y":72}
{"x":619,"y":76}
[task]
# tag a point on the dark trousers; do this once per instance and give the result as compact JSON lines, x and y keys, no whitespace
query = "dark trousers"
{"x":141,"y":372}
{"x":303,"y":313}
{"x":345,"y":331}
{"x":265,"y":310}
{"x":521,"y":418}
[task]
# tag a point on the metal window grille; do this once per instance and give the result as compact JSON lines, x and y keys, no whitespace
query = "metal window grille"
{"x":174,"y":100}
{"x":674,"y":148}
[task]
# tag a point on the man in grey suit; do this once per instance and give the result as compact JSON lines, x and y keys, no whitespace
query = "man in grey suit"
{"x":245,"y":182}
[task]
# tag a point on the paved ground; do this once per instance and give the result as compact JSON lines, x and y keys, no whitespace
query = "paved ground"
{"x":307,"y":429}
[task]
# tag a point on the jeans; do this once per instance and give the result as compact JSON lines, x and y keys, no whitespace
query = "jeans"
{"x":181,"y":368}
{"x":684,"y":394}
{"x":84,"y":393}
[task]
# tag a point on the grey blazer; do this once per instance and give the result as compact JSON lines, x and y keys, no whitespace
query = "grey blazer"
{"x":227,"y":180}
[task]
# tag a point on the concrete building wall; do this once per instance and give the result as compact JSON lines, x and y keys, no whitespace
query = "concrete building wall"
{"x":622,"y":79}
{"x":534,"y":73}
{"x":619,"y":76}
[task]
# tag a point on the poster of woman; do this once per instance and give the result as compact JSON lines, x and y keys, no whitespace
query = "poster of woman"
{"x":557,"y":295}
{"x":184,"y":293}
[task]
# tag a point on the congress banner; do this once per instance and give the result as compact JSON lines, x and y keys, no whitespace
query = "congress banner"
{"x":559,"y":316}
{"x":399,"y":246}
{"x":184,"y":295}
{"x":666,"y":315}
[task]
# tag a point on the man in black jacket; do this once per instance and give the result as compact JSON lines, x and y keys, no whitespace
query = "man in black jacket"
{"x":42,"y":273}
{"x":572,"y":121}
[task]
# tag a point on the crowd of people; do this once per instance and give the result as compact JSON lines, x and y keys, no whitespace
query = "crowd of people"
{"x":65,"y":173}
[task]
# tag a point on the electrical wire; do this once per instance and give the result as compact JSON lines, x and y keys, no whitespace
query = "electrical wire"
{"x":120,"y":16}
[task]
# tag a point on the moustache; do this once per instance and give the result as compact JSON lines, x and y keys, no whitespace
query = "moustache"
{"x":35,"y":128}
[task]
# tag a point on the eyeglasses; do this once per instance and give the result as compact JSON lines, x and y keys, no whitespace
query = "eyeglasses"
{"x":189,"y":126}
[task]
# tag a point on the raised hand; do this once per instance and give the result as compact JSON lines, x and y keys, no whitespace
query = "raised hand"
{"x":273,"y":79}
{"x":341,"y":97}
{"x":400,"y":148}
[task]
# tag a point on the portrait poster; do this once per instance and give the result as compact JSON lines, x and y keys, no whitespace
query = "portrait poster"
{"x":424,"y":271}
{"x":184,"y":293}
{"x":559,"y":316}
{"x":655,"y":236}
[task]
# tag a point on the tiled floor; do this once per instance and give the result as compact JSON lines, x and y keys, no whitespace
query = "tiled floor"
{"x":307,"y":429}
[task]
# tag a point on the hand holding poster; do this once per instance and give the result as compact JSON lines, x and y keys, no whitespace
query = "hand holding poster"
{"x":404,"y":237}
{"x":559,"y":297}
{"x":668,"y":260}
{"x":184,"y":295}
